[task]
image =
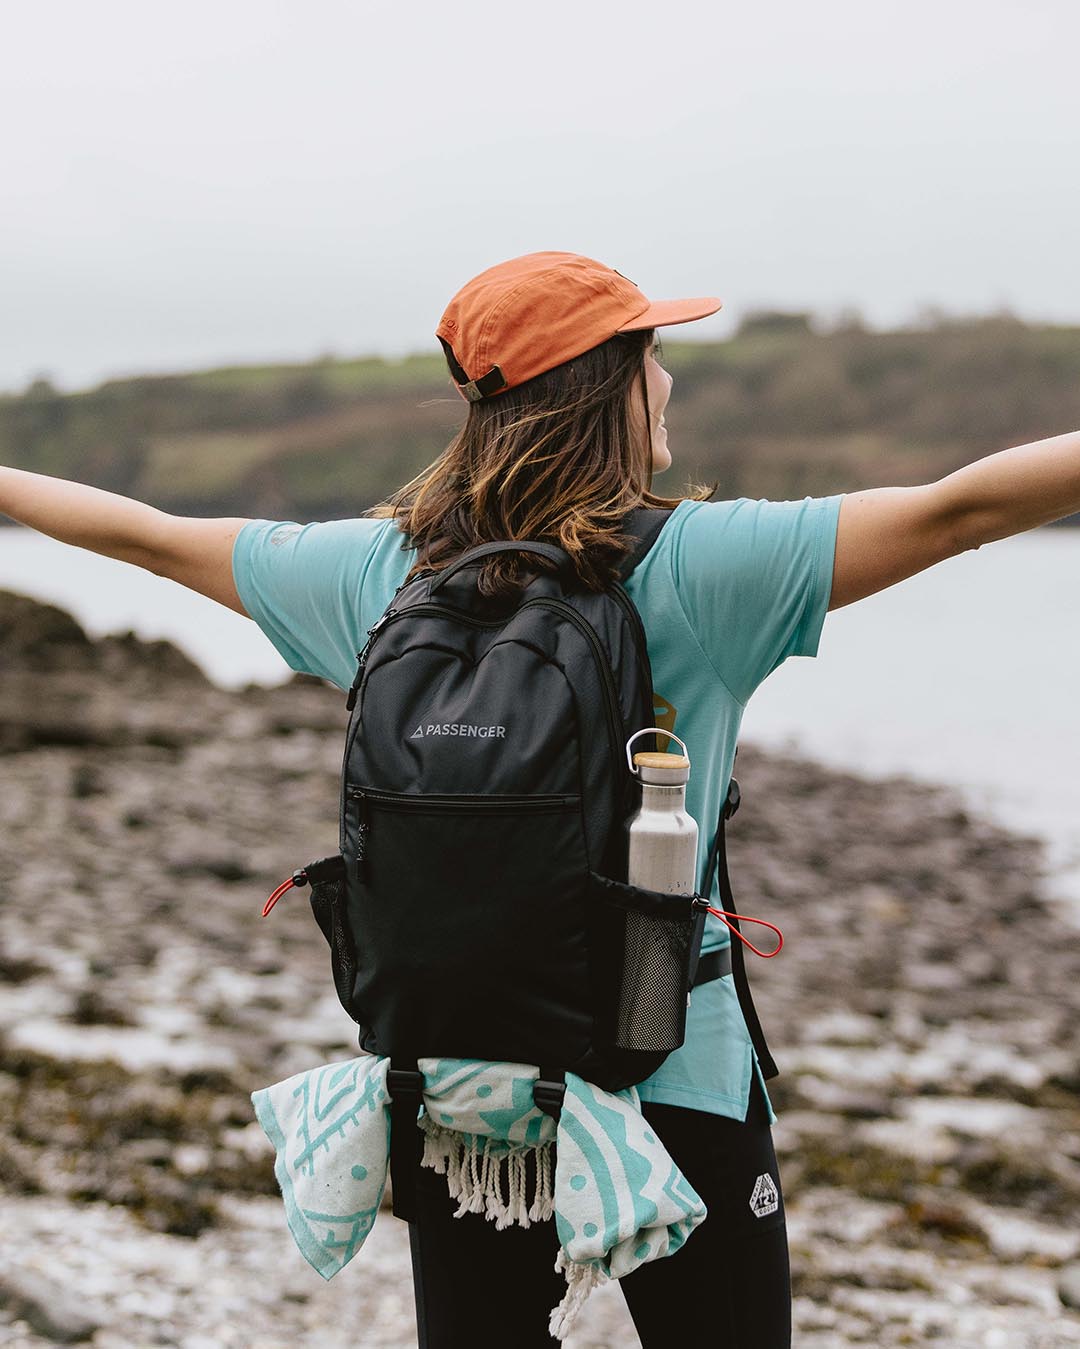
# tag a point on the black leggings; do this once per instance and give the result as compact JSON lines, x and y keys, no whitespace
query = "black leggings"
{"x":729,"y":1285}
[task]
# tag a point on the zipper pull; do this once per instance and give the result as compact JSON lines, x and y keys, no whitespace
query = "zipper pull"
{"x":354,"y":687}
{"x":362,"y":826}
{"x":361,"y":656}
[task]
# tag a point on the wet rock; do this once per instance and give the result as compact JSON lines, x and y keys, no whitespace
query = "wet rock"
{"x":1068,"y":1286}
{"x":44,"y":639}
{"x":93,"y":1008}
{"x":932,"y":1218}
{"x":119,"y":654}
{"x":45,"y":1308}
{"x":853,"y":1102}
{"x":86,"y":781}
{"x":37,"y":636}
{"x":17,"y":969}
{"x":221,"y":866}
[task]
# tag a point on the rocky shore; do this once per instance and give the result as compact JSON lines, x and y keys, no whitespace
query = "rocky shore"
{"x":925,"y":1015}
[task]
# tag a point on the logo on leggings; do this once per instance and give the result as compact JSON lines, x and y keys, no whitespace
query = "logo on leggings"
{"x":766,"y":1197}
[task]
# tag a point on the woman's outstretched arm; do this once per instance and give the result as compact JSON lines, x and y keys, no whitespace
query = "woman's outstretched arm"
{"x":889,"y":533}
{"x":196,"y":553}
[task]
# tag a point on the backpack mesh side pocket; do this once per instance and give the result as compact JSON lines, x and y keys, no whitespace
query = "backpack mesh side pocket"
{"x":646,"y":948}
{"x":327,"y":880}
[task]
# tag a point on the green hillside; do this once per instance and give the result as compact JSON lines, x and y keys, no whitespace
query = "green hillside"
{"x":780,"y":411}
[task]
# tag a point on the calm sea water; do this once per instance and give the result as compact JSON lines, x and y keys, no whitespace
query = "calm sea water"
{"x":967,"y":674}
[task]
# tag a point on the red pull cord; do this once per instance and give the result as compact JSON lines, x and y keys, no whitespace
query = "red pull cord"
{"x":285,"y":885}
{"x":297,"y":878}
{"x":742,"y":918}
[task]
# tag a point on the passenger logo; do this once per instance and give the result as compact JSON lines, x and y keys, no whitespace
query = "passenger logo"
{"x":766,"y":1197}
{"x":458,"y":728}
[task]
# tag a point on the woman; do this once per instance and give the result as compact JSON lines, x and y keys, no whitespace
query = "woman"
{"x":556,"y":355}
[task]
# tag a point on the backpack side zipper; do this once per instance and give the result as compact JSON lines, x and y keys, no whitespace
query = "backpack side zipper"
{"x":618,"y":593}
{"x":616,"y":730}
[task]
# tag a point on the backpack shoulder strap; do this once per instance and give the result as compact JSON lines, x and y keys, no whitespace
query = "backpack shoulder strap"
{"x":644,"y":523}
{"x":718,"y":854}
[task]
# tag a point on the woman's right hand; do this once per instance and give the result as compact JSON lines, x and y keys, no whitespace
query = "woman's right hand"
{"x":197,"y":553}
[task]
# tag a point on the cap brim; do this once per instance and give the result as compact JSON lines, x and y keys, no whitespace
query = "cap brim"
{"x":664,"y":313}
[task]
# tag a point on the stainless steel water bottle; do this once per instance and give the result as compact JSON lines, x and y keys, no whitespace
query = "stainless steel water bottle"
{"x":663,"y":837}
{"x":663,"y":840}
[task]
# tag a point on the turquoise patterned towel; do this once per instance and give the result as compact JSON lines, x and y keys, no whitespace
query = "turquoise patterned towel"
{"x":617,"y":1197}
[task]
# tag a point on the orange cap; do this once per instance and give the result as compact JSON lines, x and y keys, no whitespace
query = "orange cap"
{"x":528,"y":315}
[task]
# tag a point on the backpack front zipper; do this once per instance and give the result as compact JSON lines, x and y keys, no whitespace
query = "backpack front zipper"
{"x":506,"y":803}
{"x":465,"y":800}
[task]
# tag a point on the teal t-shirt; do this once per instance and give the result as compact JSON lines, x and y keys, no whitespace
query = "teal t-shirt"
{"x":728,"y":592}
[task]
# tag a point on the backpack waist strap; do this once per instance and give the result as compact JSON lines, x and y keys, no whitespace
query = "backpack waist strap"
{"x":714,"y":965}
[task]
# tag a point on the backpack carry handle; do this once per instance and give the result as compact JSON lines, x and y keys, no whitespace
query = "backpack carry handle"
{"x":551,"y":551}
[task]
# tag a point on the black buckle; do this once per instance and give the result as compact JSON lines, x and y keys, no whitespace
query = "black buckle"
{"x":734,"y":796}
{"x":548,"y":1097}
{"x":404,"y":1082}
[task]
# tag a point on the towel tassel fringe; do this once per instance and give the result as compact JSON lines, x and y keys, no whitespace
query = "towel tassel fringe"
{"x":580,"y":1282}
{"x":475,"y":1175}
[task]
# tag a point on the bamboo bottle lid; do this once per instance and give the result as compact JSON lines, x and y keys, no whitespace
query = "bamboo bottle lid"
{"x":662,"y":770}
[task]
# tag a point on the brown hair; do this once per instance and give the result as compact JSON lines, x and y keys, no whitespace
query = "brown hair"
{"x":556,"y":458}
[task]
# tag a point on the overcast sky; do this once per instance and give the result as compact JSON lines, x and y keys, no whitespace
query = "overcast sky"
{"x":240,"y":180}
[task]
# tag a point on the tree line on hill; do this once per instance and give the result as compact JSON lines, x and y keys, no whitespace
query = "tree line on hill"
{"x":780,"y":410}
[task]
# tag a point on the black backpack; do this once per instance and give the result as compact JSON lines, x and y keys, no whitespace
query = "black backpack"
{"x":479,"y":905}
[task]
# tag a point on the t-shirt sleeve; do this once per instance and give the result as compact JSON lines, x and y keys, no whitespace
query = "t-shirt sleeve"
{"x":303,"y":585}
{"x":754,"y":579}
